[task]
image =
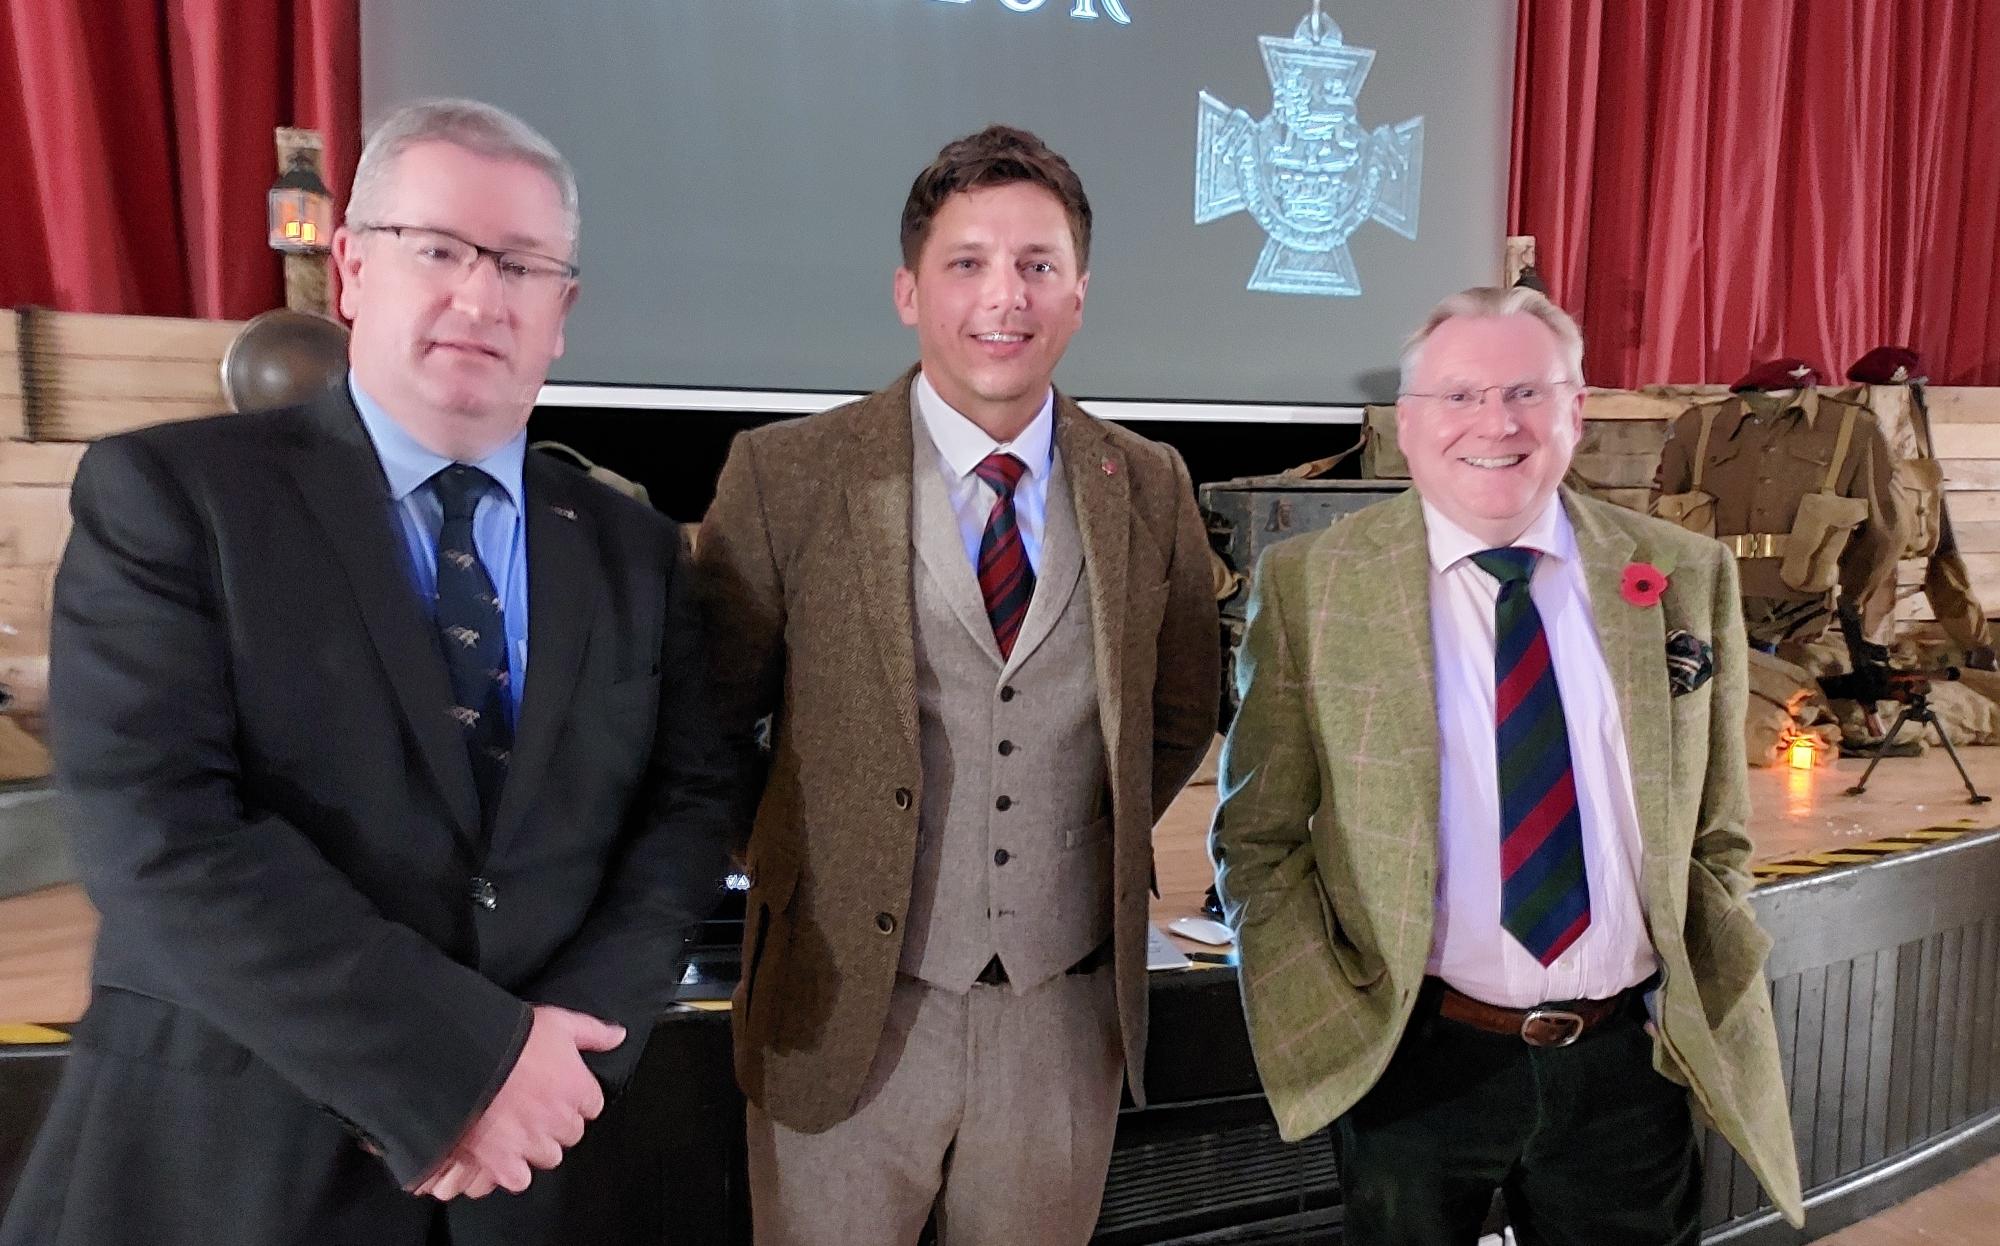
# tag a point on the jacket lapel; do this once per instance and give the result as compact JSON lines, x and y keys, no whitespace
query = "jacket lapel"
{"x":877,"y":472}
{"x":563,"y":603}
{"x":340,"y":477}
{"x":1062,"y":566}
{"x":1100,"y":494}
{"x":935,"y":536}
{"x":1634,"y":639}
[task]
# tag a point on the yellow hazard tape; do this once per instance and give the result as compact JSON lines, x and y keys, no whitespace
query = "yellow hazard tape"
{"x":1806,"y":863}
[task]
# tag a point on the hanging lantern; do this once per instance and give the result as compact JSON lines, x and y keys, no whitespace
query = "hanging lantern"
{"x":301,"y":211}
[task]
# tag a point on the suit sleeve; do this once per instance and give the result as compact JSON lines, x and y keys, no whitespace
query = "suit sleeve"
{"x":1266,"y":871}
{"x":743,"y":603}
{"x":1187,"y":685}
{"x":625,"y":961}
{"x":1721,"y":843}
{"x":236,"y":910}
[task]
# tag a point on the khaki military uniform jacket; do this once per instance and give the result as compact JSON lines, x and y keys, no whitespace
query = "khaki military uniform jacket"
{"x":1765,"y":454}
{"x":1326,"y":838}
{"x":806,"y":561}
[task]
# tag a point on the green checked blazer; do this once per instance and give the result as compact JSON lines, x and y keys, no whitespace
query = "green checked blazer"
{"x":1326,"y":837}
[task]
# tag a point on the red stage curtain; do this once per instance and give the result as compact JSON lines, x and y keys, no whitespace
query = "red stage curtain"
{"x":1713,"y":182}
{"x":139,"y":149}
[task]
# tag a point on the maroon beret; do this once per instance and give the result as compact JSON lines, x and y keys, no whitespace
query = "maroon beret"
{"x":1888,"y":365}
{"x":1779,"y":374}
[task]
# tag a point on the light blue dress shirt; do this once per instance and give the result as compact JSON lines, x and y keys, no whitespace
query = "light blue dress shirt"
{"x":499,"y":529}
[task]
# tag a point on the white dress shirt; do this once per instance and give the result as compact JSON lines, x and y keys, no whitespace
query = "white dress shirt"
{"x":963,"y":445}
{"x":1470,"y":950}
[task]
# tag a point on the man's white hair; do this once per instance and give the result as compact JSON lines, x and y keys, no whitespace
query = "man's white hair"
{"x":1491,"y":301}
{"x":478,"y":128}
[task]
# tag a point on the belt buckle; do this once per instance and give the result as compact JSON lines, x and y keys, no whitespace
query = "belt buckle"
{"x":1572,"y":1023}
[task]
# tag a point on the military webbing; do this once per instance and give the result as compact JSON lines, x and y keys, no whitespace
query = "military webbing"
{"x":1701,"y":443}
{"x":1840,"y":449}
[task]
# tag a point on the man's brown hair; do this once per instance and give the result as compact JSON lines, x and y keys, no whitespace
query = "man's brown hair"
{"x":996,"y":156}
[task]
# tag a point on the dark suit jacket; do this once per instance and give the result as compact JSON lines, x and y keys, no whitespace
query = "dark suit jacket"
{"x":277,"y":820}
{"x":806,"y":564}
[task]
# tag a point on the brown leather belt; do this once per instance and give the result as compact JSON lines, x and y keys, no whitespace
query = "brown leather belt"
{"x":1545,"y":1025}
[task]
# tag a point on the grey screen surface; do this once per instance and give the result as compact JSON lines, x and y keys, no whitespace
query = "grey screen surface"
{"x":743,"y":165}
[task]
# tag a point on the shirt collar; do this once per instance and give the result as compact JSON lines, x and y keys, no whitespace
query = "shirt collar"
{"x":964,"y":444}
{"x":408,"y":464}
{"x":1450,"y":544}
{"x":1803,"y":402}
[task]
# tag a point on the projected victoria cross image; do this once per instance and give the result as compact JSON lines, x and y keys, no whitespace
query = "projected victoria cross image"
{"x":1308,"y":173}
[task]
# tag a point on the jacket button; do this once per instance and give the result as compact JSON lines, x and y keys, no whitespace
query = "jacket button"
{"x":1004,"y":803}
{"x":483,"y":894}
{"x":1007,"y":692}
{"x":902,"y":798}
{"x":1000,"y":856}
{"x":1006,"y":747}
{"x":885,"y":922}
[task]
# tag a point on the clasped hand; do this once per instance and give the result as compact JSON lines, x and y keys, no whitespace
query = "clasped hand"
{"x":540,"y":1111}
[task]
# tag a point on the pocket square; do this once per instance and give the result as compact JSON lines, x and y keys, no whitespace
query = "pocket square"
{"x":1690,"y":661}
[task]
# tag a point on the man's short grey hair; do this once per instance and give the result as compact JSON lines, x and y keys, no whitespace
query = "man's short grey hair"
{"x":1490,"y":301}
{"x":478,"y":128}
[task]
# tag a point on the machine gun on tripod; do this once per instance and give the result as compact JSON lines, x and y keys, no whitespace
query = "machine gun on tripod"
{"x":1873,"y":680}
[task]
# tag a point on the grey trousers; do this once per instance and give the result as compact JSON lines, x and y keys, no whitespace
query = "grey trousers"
{"x":997,"y":1108}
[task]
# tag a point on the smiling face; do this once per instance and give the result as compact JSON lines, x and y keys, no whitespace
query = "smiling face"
{"x":1493,"y":467}
{"x":995,"y":295}
{"x":456,"y":358}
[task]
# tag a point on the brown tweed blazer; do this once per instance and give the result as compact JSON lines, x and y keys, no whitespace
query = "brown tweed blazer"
{"x":805,"y":560}
{"x":1326,"y":838}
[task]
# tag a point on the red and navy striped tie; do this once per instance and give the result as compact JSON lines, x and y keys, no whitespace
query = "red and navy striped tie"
{"x":1006,"y":580}
{"x":1544,"y":892}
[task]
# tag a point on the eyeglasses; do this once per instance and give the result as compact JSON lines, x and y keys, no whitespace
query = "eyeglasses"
{"x":1522,"y":396}
{"x":444,"y":256}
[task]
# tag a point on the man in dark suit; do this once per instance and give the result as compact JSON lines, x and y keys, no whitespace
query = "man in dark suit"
{"x":387,"y":909}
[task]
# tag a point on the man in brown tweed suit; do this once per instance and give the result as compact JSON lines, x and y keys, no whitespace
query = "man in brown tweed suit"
{"x":981,"y":621}
{"x":1482,"y":828}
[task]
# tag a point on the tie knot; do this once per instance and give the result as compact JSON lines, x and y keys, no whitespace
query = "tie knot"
{"x":459,"y":488}
{"x":1001,"y":471}
{"x":1510,"y":564}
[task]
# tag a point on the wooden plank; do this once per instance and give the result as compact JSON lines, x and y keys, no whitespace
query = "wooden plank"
{"x":1625,"y":404}
{"x":180,"y":380}
{"x":1881,"y":1046}
{"x":1617,"y":471}
{"x":1954,"y":404}
{"x":1903,"y":1049}
{"x":13,"y":416}
{"x":91,"y":419}
{"x":1973,"y":506}
{"x":1829,"y":1096}
{"x":1805,"y":1067}
{"x":1960,"y":1096}
{"x":1966,"y":441}
{"x":84,"y":335}
{"x":34,"y":523}
{"x":1623,"y":437}
{"x":1785,"y":1013}
{"x":1944,"y":1025}
{"x":1981,"y":537}
{"x":1923,"y":1052}
{"x":39,"y":462}
{"x":25,"y":607}
{"x":1960,"y":474}
{"x":1715,"y":1159}
{"x":1860,"y":1052}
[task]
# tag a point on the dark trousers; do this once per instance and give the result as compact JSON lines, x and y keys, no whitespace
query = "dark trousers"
{"x":1587,"y":1145}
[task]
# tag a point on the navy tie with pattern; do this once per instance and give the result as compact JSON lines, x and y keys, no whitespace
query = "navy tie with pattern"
{"x":473,"y":633}
{"x":1544,"y":891}
{"x":1006,"y":580}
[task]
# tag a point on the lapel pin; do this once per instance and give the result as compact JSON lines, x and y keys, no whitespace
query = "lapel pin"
{"x":1110,"y":467}
{"x":565,"y":512}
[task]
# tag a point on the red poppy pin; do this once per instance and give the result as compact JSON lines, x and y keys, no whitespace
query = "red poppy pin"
{"x":1643,"y":584}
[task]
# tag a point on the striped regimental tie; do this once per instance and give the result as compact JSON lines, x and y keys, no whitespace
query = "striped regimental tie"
{"x":1544,"y":892}
{"x":1006,"y":580}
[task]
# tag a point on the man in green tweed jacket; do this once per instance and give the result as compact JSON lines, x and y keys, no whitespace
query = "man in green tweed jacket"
{"x":1482,"y":828}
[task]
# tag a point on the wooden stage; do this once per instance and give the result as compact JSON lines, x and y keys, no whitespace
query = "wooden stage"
{"x":45,"y":936}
